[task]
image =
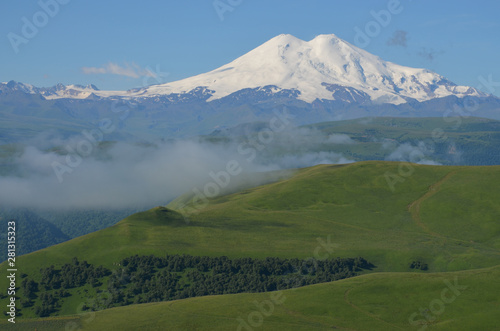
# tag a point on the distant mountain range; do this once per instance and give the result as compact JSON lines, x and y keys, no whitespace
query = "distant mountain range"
{"x":319,"y":80}
{"x":58,"y":91}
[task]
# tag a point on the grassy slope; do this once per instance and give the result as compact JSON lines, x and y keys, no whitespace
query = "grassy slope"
{"x":384,"y":301}
{"x":352,"y":204}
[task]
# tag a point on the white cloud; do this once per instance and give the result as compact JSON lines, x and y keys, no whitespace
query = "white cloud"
{"x":408,"y":153}
{"x":128,"y":70}
{"x":339,"y":139}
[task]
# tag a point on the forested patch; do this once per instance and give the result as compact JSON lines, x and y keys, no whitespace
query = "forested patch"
{"x":141,"y":279}
{"x":150,"y":278}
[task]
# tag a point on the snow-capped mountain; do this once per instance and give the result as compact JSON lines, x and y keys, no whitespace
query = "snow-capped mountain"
{"x":15,"y":86}
{"x":69,"y":91}
{"x":325,"y":68}
{"x":325,"y":79}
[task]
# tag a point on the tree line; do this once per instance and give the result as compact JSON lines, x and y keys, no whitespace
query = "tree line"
{"x":141,"y":279}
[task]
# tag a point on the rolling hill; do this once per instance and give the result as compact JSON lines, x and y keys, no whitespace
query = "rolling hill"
{"x":443,"y":217}
{"x":385,"y":301}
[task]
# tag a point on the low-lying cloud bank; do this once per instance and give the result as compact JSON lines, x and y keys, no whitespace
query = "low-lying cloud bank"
{"x":123,"y":175}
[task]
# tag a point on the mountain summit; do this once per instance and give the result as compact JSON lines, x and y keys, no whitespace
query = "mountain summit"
{"x":324,"y":79}
{"x":325,"y":68}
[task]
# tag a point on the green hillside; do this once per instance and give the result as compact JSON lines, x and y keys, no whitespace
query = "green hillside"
{"x":385,"y":301}
{"x":442,"y":217}
{"x":355,"y":206}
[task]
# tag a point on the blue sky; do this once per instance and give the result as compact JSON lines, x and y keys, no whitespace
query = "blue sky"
{"x":118,"y":45}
